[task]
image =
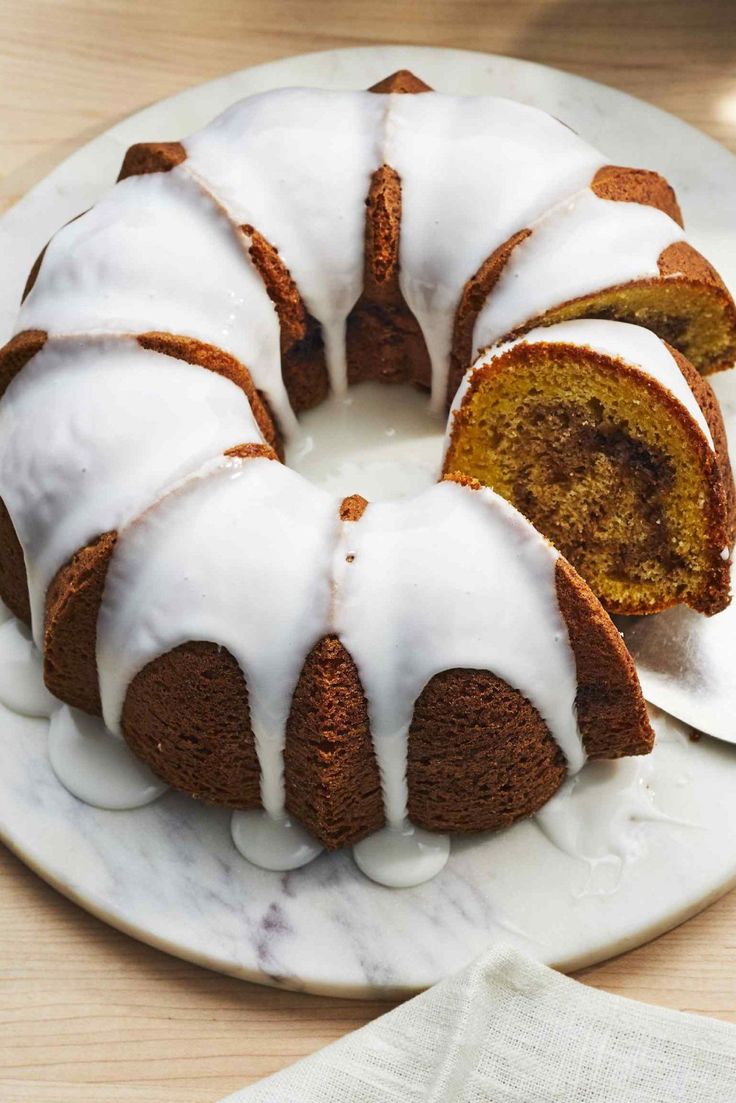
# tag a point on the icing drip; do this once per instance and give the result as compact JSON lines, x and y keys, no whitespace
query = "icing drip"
{"x":415,"y":600}
{"x":92,"y":431}
{"x":255,"y":579}
{"x":278,"y":844}
{"x":635,"y":345}
{"x":296,"y":164}
{"x":21,"y":676}
{"x":455,"y":156}
{"x":97,"y":767}
{"x":598,"y":817}
{"x":158,"y":254}
{"x":586,"y":244}
{"x":401,"y":857}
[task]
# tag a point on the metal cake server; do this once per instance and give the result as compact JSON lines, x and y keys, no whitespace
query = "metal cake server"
{"x":687,"y":665}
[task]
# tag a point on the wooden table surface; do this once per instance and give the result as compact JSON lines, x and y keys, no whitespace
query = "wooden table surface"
{"x":87,"y":1013}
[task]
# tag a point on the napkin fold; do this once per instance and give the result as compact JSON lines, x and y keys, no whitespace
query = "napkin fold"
{"x":509,"y":1030}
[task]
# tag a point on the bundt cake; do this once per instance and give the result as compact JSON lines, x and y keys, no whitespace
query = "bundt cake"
{"x":257,"y":642}
{"x":614,"y":446}
{"x":347,"y":678}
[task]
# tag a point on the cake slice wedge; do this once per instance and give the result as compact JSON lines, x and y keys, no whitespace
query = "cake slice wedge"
{"x":613,"y":445}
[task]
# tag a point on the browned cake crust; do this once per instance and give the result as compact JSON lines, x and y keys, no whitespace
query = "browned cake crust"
{"x":498,"y":762}
{"x":614,"y":182}
{"x":16,"y":354}
{"x":330,"y":772}
{"x":13,"y":584}
{"x":211,"y":754}
{"x":402,"y":81}
{"x":186,"y":716}
{"x":480,"y":756}
{"x":474,"y":295}
{"x":384,"y":340}
{"x":611,"y":711}
{"x":303,"y":365}
{"x":629,"y":185}
{"x":682,"y":267}
{"x":70,"y":625}
{"x":146,"y":157}
{"x":36,"y":266}
{"x":332,"y":781}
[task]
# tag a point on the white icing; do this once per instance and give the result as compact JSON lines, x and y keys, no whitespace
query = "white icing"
{"x":635,"y":345}
{"x":296,"y":164}
{"x":275,"y":843}
{"x":598,"y":817}
{"x":255,"y":579}
{"x":270,"y":570}
{"x":401,"y":857}
{"x":584,"y":245}
{"x":97,"y":767}
{"x":363,"y":444}
{"x":158,"y":254}
{"x":92,"y":431}
{"x":474,"y":170}
{"x":21,"y":675}
{"x":453,"y":578}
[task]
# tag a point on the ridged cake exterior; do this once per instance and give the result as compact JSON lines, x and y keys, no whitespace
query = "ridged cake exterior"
{"x":303,"y":241}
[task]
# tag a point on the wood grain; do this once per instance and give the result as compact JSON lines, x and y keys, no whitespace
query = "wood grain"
{"x":86,"y":1013}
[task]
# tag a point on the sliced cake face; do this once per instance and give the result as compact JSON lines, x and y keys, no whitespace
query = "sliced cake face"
{"x":592,"y":430}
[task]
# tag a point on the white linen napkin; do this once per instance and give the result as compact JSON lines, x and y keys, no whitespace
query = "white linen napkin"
{"x":509,"y":1030}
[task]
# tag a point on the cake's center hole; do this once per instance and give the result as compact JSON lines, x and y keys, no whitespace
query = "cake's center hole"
{"x":380,"y":441}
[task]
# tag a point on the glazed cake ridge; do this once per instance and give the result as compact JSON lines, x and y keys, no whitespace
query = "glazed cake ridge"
{"x":269,"y":271}
{"x":175,"y":415}
{"x":318,"y":576}
{"x":313,"y":218}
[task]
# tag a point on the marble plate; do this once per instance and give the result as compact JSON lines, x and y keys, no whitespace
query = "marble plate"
{"x":625,"y":853}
